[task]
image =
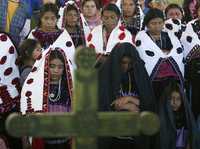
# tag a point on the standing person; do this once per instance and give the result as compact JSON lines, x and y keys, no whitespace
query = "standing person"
{"x":15,"y":19}
{"x":162,"y":52}
{"x":190,"y":9}
{"x":48,"y":34}
{"x":174,"y":11}
{"x":174,"y":20}
{"x":90,"y":10}
{"x":72,"y":22}
{"x":104,"y":37}
{"x":132,"y":15}
{"x":9,"y":88}
{"x":124,"y":85}
{"x":29,"y":51}
{"x":178,"y":129}
{"x":54,"y":94}
{"x":190,"y":41}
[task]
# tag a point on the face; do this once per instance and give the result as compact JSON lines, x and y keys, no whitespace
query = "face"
{"x":128,"y":7}
{"x":56,"y":69}
{"x":48,"y":21}
{"x":89,"y":9}
{"x":125,"y":64}
{"x":71,"y":18}
{"x":175,"y":101}
{"x":37,"y":52}
{"x":174,"y":13}
{"x":49,"y":1}
{"x":155,"y":25}
{"x":192,"y":7}
{"x":110,"y":20}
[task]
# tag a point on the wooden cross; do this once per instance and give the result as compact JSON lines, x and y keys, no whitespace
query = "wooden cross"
{"x":85,"y":123}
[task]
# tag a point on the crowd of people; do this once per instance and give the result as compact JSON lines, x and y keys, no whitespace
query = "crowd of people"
{"x":147,"y":59}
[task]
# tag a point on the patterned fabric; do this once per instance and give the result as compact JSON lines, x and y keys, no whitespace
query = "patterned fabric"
{"x":78,"y":37}
{"x":46,"y":38}
{"x":9,"y":74}
{"x":18,"y":19}
{"x":63,"y":104}
{"x":40,"y":75}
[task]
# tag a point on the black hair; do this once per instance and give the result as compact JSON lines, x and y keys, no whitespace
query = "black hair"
{"x":173,"y":6}
{"x":56,"y":54}
{"x":113,"y":8}
{"x":151,"y":14}
{"x":26,"y":49}
{"x":97,"y":3}
{"x":48,"y":7}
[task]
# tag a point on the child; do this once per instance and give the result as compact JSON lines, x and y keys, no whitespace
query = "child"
{"x":178,"y":129}
{"x":30,"y":50}
{"x":91,"y":13}
{"x":54,"y":94}
{"x":72,"y":25}
{"x":48,"y":34}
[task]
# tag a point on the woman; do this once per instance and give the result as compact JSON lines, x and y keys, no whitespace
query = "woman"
{"x":162,"y":52}
{"x":132,"y":15}
{"x":124,"y":85}
{"x":104,"y":37}
{"x":73,"y":23}
{"x":190,"y":41}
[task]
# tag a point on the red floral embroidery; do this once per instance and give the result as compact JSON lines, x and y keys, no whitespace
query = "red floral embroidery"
{"x":34,"y":69}
{"x":3,"y":60}
{"x":3,"y":37}
{"x":122,"y":28}
{"x":11,"y":50}
{"x":28,"y":93}
{"x":29,"y":81}
{"x":89,"y":38}
{"x":122,"y":36}
{"x":91,"y":46}
{"x":8,"y":71}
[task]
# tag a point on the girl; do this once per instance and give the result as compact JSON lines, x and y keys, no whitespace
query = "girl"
{"x":48,"y":34}
{"x":178,"y":129}
{"x":132,"y":15}
{"x":54,"y":94}
{"x":104,"y":37}
{"x":91,"y":13}
{"x":161,"y":51}
{"x":71,"y":22}
{"x":30,"y":50}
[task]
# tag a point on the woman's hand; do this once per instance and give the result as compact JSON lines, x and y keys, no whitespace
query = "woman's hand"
{"x":127,"y":103}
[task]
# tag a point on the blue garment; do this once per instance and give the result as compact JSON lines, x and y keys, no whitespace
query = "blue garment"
{"x":17,"y":23}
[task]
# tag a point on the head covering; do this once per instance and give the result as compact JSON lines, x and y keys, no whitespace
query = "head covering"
{"x":110,"y":78}
{"x":9,"y":75}
{"x":83,"y":23}
{"x":113,"y":8}
{"x":139,"y":13}
{"x":34,"y":97}
{"x":168,"y":124}
{"x":152,"y":14}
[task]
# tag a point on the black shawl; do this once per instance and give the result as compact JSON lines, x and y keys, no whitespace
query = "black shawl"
{"x":110,"y":77}
{"x":167,"y":120}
